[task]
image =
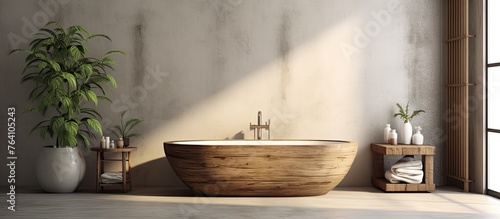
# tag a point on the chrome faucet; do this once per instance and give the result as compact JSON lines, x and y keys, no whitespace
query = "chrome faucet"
{"x":257,"y":129}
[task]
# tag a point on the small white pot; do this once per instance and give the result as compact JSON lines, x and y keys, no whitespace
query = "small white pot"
{"x":60,"y":169}
{"x":407,"y":133}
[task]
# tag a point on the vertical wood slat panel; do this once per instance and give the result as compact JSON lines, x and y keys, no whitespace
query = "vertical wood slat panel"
{"x":465,"y":151}
{"x":457,"y":90}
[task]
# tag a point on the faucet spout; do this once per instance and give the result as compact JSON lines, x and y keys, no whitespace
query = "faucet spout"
{"x":257,"y":129}
{"x":259,"y":118}
{"x":259,"y":122}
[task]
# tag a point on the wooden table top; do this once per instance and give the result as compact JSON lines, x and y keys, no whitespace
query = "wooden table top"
{"x":403,"y":149}
{"x":127,"y":149}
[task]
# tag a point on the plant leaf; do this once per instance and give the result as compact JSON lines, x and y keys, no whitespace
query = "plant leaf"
{"x":95,"y":124}
{"x":71,"y":127}
{"x":98,"y":35}
{"x":86,"y":69}
{"x":37,"y":126}
{"x":416,"y":113}
{"x":113,"y":52}
{"x":56,"y":123}
{"x":83,"y":139}
{"x":55,"y":65}
{"x":133,"y":135}
{"x":76,"y":53}
{"x":92,"y":96}
{"x":66,"y":101}
{"x":118,"y":129}
{"x":91,"y":112}
{"x":131,"y":123}
{"x":71,"y":79}
{"x":74,"y":29}
{"x":112,"y":80}
{"x":407,"y":106}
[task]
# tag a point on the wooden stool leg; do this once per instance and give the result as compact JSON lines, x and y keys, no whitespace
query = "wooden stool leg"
{"x":429,"y":172}
{"x":129,"y":172}
{"x":124,"y":171}
{"x":102,"y":168}
{"x":98,"y":171}
{"x":378,"y":167}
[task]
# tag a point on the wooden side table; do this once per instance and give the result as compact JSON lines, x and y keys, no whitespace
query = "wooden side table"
{"x":378,"y":177}
{"x":127,"y":179}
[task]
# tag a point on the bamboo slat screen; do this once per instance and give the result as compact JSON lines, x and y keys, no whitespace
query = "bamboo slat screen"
{"x":457,"y":91}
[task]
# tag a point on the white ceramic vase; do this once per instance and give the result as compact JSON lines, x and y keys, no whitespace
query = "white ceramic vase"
{"x":60,"y":169}
{"x":406,"y":134}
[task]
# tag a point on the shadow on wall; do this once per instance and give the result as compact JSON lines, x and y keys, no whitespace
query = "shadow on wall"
{"x":152,"y":173}
{"x":226,"y":43}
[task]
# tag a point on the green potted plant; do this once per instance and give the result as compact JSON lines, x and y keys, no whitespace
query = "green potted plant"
{"x":123,"y":129}
{"x":65,"y":80}
{"x":406,"y":116}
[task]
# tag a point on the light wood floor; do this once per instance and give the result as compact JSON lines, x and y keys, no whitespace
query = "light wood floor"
{"x":365,"y":202}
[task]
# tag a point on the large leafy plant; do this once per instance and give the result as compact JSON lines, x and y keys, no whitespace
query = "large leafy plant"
{"x":405,"y":114}
{"x":65,"y":81}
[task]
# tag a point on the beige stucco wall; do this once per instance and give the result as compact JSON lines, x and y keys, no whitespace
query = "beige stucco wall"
{"x":201,"y":69}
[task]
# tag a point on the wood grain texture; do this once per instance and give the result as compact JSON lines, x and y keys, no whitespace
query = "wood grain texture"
{"x":378,"y":178}
{"x":387,"y":149}
{"x":260,"y":170}
{"x":128,"y":149}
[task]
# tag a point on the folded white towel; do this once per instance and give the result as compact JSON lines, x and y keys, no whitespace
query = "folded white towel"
{"x":407,"y":169}
{"x":408,"y":163}
{"x":389,"y":176}
{"x":112,"y":175}
{"x":104,"y":180}
{"x":408,"y":178}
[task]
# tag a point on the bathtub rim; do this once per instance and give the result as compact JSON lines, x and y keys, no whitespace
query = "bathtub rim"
{"x":318,"y":142}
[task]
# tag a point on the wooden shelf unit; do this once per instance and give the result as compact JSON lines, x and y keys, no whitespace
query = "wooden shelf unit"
{"x":378,"y":174}
{"x":125,"y":159}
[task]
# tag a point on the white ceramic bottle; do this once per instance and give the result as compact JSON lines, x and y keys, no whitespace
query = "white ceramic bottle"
{"x":103,"y":142}
{"x":418,"y":138}
{"x":393,"y":137}
{"x":107,"y":141}
{"x":387,"y":131}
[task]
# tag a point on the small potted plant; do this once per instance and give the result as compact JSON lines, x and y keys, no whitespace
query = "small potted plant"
{"x":123,"y":129}
{"x":405,"y":115}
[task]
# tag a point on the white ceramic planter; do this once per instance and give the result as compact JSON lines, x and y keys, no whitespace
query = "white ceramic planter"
{"x":60,"y":169}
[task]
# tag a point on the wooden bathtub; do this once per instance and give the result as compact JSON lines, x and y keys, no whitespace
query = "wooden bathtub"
{"x":261,"y":167}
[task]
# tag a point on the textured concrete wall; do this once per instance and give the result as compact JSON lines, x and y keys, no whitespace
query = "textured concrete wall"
{"x":201,"y":69}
